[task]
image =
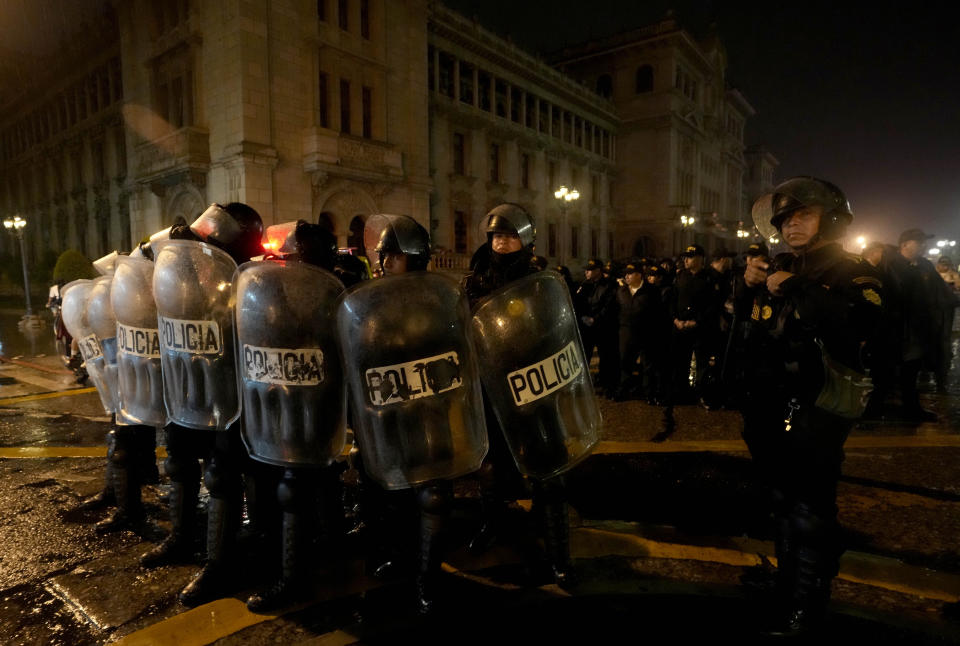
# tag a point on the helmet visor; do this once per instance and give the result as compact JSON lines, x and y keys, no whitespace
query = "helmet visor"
{"x":395,"y":233}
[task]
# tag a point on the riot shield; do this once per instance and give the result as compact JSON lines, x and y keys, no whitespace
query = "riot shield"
{"x":192,"y":290}
{"x":291,"y":380}
{"x":76,"y":296}
{"x":140,"y":384}
{"x":103,"y":324}
{"x":413,"y":378}
{"x":533,"y":368}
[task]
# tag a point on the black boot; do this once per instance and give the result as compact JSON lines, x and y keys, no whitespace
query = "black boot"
{"x":179,"y":545}
{"x":493,"y":509}
{"x":105,"y":497}
{"x":294,"y":494}
{"x":126,"y":485}
{"x":434,"y":501}
{"x":219,"y":574}
{"x":216,"y":578}
{"x":556,"y":530}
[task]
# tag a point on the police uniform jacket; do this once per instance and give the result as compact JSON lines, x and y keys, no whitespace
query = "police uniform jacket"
{"x":598,"y":300}
{"x":833,"y":301}
{"x":695,"y":298}
{"x":643,"y":312}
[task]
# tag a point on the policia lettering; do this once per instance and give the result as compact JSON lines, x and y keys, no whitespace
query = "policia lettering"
{"x":413,"y":379}
{"x":138,"y":341}
{"x":283,"y":366}
{"x":90,"y":347}
{"x":540,"y":379}
{"x":192,"y":337}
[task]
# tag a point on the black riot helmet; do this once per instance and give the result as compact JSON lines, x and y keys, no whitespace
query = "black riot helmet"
{"x":770,"y":211}
{"x":316,"y":245}
{"x":511,"y":219}
{"x":384,"y":233}
{"x":236,"y":228}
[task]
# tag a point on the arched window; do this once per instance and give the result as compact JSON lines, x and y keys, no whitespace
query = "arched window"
{"x":460,"y":232}
{"x":605,"y":86}
{"x":644,"y":79}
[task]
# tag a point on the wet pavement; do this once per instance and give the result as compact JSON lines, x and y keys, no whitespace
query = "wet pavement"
{"x":666,"y":519}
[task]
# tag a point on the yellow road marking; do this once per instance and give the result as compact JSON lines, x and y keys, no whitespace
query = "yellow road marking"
{"x":53,"y":395}
{"x":62,"y":452}
{"x":202,"y":625}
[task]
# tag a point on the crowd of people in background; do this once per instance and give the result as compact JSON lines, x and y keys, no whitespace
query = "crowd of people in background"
{"x":661,"y":327}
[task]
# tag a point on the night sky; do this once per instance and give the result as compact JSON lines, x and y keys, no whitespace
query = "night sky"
{"x":867,"y":99}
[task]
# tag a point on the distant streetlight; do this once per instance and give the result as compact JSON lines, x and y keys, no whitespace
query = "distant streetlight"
{"x":862,"y":242}
{"x":15,"y":227}
{"x":774,"y":240}
{"x":565,"y":196}
{"x":935,"y":251}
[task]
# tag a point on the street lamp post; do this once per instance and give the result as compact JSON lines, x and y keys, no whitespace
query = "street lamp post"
{"x":15,"y":227}
{"x":686,"y":222}
{"x":565,"y":196}
{"x":742,"y":235}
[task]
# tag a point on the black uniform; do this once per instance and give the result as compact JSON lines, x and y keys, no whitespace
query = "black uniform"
{"x":832,"y":302}
{"x":596,"y":306}
{"x":642,"y":315}
{"x":694,"y":299}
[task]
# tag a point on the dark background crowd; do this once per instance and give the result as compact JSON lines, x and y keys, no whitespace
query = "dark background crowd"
{"x":664,"y":328}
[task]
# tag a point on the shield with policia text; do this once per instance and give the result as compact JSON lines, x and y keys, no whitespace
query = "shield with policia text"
{"x":75,"y":296}
{"x":192,"y":289}
{"x":103,"y":324}
{"x":140,"y":382}
{"x":413,"y":379}
{"x":288,"y":362}
{"x":532,"y":364}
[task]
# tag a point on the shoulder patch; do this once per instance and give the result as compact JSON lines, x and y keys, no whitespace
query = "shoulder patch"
{"x":867,"y":280}
{"x":872,"y":296}
{"x":766,"y":312}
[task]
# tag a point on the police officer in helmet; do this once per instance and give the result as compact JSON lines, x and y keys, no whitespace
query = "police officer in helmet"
{"x":811,"y":315}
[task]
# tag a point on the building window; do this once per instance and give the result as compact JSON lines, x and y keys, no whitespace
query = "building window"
{"x":516,"y":98}
{"x":466,"y":83}
{"x":552,"y":239}
{"x":605,"y":86}
{"x":322,"y":10}
{"x":459,"y":154}
{"x":552,"y":176}
{"x":574,"y":242}
{"x":525,"y":170}
{"x":483,"y":83}
{"x":531,"y":113}
{"x":644,"y":79}
{"x":500,"y":89}
{"x":343,"y":14}
{"x":345,"y":106}
{"x":365,"y":19}
{"x":446,"y":74}
{"x":495,"y":163}
{"x":367,"y":105}
{"x":173,"y":89}
{"x":460,"y":232}
{"x":578,"y":132}
{"x":324,"y":100}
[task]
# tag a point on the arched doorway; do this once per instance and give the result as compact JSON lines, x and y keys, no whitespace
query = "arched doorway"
{"x":325,"y":219}
{"x":355,"y":238}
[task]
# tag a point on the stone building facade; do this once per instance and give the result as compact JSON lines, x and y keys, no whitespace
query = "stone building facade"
{"x":330,"y":110}
{"x":63,"y":164}
{"x":505,"y":126}
{"x":680,"y":151}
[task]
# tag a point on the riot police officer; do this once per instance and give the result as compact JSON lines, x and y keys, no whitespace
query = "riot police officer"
{"x":294,"y":397}
{"x":810,"y":313}
{"x":537,"y":317}
{"x":597,"y":311}
{"x":414,"y":384}
{"x":200,"y":390}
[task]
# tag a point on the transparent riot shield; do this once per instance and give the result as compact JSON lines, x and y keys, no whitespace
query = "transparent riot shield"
{"x":103,"y":324}
{"x":75,"y":296}
{"x":533,"y":368}
{"x":413,"y":381}
{"x":291,"y":380}
{"x":192,"y":290}
{"x":139,"y":380}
